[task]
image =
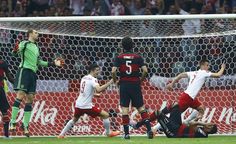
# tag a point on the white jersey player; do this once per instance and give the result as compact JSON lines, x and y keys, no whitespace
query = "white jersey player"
{"x":188,"y":97}
{"x":88,"y":86}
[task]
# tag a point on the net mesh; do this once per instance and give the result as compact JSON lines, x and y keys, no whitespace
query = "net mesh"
{"x":167,"y":48}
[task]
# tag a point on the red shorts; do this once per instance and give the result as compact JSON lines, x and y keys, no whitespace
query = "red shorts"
{"x":185,"y":101}
{"x":93,"y":112}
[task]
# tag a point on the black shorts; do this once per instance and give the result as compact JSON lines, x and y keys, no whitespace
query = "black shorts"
{"x":25,"y":81}
{"x":131,"y":92}
{"x":4,"y":105}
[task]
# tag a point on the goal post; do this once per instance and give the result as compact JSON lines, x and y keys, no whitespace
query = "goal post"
{"x":170,"y":44}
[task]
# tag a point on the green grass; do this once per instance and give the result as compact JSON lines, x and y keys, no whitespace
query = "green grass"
{"x":118,"y":140}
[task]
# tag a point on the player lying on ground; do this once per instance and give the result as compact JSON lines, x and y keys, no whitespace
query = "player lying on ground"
{"x":174,"y":128}
{"x":88,"y":85}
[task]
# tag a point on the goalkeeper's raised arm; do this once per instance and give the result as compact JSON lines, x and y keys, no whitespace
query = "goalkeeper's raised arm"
{"x":25,"y":83}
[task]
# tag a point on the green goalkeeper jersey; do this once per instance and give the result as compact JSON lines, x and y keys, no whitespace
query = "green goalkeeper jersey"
{"x":29,"y":53}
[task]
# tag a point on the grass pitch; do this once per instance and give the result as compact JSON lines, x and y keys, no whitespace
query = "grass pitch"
{"x":119,"y":140}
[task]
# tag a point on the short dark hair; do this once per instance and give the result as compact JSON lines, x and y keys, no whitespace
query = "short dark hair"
{"x":92,"y":67}
{"x":213,"y":130}
{"x":203,"y":61}
{"x":29,"y":31}
{"x":127,"y":43}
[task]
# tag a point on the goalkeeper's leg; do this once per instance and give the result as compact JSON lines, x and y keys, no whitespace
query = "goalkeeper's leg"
{"x":15,"y":109}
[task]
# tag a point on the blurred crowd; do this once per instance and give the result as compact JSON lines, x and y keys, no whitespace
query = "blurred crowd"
{"x":21,"y":8}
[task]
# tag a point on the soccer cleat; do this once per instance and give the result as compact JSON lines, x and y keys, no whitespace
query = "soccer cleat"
{"x":61,"y":137}
{"x":114,"y":133}
{"x":26,"y":130}
{"x":126,"y":136}
{"x":12,"y":127}
{"x":7,"y":138}
{"x":150,"y":135}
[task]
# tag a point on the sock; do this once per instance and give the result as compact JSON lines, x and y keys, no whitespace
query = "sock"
{"x":192,"y":116}
{"x":6,"y":128}
{"x":106,"y":124}
{"x":5,"y":120}
{"x":15,"y":110}
{"x":68,"y":126}
{"x":157,"y":127}
{"x":145,"y":117}
{"x":125,"y":123}
{"x":139,"y":124}
{"x":27,"y":114}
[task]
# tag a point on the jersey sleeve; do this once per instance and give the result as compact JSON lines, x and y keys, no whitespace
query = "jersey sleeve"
{"x":42,"y":63}
{"x":207,"y":73}
{"x":190,"y":74}
{"x":95,"y":83}
{"x":116,"y":62}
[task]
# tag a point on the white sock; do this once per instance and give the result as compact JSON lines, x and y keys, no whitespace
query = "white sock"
{"x":106,"y":124}
{"x":156,"y":127}
{"x":67,"y":127}
{"x":192,"y":116}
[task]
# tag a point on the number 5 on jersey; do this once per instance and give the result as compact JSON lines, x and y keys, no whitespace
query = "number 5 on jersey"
{"x":128,"y":64}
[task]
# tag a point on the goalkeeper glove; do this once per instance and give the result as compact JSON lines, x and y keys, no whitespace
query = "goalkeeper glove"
{"x":60,"y":62}
{"x":16,"y":48}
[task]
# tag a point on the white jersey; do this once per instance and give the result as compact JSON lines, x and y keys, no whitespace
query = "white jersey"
{"x":196,"y":80}
{"x":87,"y":87}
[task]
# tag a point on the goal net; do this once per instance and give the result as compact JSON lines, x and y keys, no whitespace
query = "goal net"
{"x":169,"y":45}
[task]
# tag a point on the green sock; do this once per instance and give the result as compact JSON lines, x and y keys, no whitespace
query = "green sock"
{"x":14,"y":114}
{"x":26,"y":119}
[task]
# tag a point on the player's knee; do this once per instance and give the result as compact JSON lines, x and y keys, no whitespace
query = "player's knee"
{"x":28,"y":107}
{"x":125,"y":111}
{"x":29,"y":98}
{"x":75,"y":119}
{"x":104,"y":115}
{"x":20,"y":95}
{"x":141,"y":109}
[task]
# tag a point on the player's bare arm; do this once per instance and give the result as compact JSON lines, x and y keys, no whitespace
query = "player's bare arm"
{"x":176,"y":79}
{"x":99,"y":88}
{"x":144,"y":72}
{"x":113,"y":72}
{"x":220,"y":72}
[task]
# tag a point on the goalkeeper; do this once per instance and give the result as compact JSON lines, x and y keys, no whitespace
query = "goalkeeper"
{"x":25,"y":83}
